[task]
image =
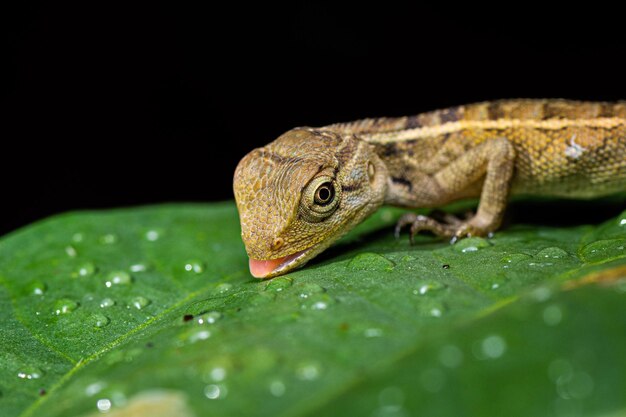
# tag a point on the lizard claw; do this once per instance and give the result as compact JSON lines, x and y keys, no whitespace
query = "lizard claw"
{"x":451,"y":226}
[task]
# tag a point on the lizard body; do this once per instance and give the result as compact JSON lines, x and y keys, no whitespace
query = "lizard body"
{"x":300,"y":193}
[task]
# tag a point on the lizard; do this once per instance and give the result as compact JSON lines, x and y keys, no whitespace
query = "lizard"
{"x":303,"y":191}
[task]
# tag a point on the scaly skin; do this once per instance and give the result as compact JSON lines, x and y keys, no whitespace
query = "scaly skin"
{"x":302,"y":192}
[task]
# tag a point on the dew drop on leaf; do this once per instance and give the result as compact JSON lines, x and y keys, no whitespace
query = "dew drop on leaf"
{"x":37,"y":287}
{"x":194,"y":266}
{"x":107,"y":302}
{"x":100,"y":320}
{"x":369,"y":261}
{"x":118,"y":278}
{"x":514,"y":258}
{"x":64,"y":306}
{"x":103,"y":405}
{"x":198,"y":335}
{"x":30,"y":373}
{"x":218,"y":374}
{"x":215,"y":391}
{"x":552,"y":252}
{"x":224,"y":287}
{"x":428,"y":287}
{"x":604,"y":250}
{"x":308,"y":371}
{"x":209,"y":318}
{"x":71,"y":251}
{"x":493,"y":346}
{"x":138,"y":267}
{"x":373,"y":332}
{"x":86,"y":269}
{"x":471,"y":244}
{"x":152,"y":235}
{"x":108,"y":239}
{"x":139,"y":302}
{"x":279,"y":284}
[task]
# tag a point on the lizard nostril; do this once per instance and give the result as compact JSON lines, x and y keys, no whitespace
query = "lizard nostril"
{"x":278,"y":243}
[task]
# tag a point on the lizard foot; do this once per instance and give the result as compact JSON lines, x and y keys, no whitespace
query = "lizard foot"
{"x":450,"y":226}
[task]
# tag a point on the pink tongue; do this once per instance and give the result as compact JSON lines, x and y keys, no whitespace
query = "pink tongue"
{"x":261,"y":269}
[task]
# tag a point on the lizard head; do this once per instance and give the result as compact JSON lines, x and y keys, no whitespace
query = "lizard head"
{"x":302,"y":192}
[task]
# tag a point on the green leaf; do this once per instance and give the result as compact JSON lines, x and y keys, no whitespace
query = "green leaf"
{"x":151,"y":311}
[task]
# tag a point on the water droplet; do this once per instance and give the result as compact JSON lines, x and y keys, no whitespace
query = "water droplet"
{"x":436,"y":312}
{"x":433,"y":379}
{"x":277,"y":388}
{"x":77,"y":237}
{"x":194,"y":266}
{"x":540,"y":264}
{"x":198,"y":335}
{"x":552,"y":315}
{"x":84,"y":270}
{"x":369,"y":261}
{"x":279,"y":284}
{"x":209,"y":318}
{"x":93,"y":389}
{"x":552,"y":252}
{"x":138,"y":268}
{"x":514,"y":258}
{"x":37,"y":287}
{"x":603,"y":250}
{"x":100,"y":320}
{"x":493,"y":346}
{"x":118,"y":278}
{"x":224,"y":287}
{"x":308,"y":371}
{"x":64,"y":306}
{"x":622,"y":222}
{"x":152,"y":235}
{"x":407,"y":259}
{"x":218,"y":374}
{"x":71,"y":251}
{"x":108,"y":239}
{"x":319,"y":305}
{"x":104,"y":405}
{"x":429,"y":287}
{"x":107,"y":302}
{"x":30,"y":373}
{"x":495,"y":286}
{"x":541,"y":294}
{"x":215,"y":391}
{"x":139,"y":302}
{"x":373,"y":332}
{"x":471,"y":244}
{"x":451,"y":356}
{"x":308,"y":290}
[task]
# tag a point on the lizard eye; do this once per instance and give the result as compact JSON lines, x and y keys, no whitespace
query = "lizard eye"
{"x":320,"y":199}
{"x":324,"y":194}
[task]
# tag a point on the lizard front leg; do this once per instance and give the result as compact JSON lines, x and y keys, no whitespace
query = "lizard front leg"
{"x":492,"y":160}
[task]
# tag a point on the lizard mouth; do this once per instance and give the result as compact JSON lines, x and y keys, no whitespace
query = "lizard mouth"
{"x":269,"y":268}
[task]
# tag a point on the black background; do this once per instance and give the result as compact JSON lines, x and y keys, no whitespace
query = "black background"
{"x":108,"y":105}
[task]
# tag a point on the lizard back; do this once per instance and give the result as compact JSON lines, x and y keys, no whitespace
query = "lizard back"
{"x":562,"y":148}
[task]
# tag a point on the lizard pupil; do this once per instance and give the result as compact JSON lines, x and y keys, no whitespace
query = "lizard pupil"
{"x":324,"y":193}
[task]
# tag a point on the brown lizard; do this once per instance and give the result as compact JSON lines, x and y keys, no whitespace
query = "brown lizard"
{"x":303,"y":191}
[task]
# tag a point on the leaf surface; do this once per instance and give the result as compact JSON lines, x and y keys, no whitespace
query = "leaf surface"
{"x":152,"y":310}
